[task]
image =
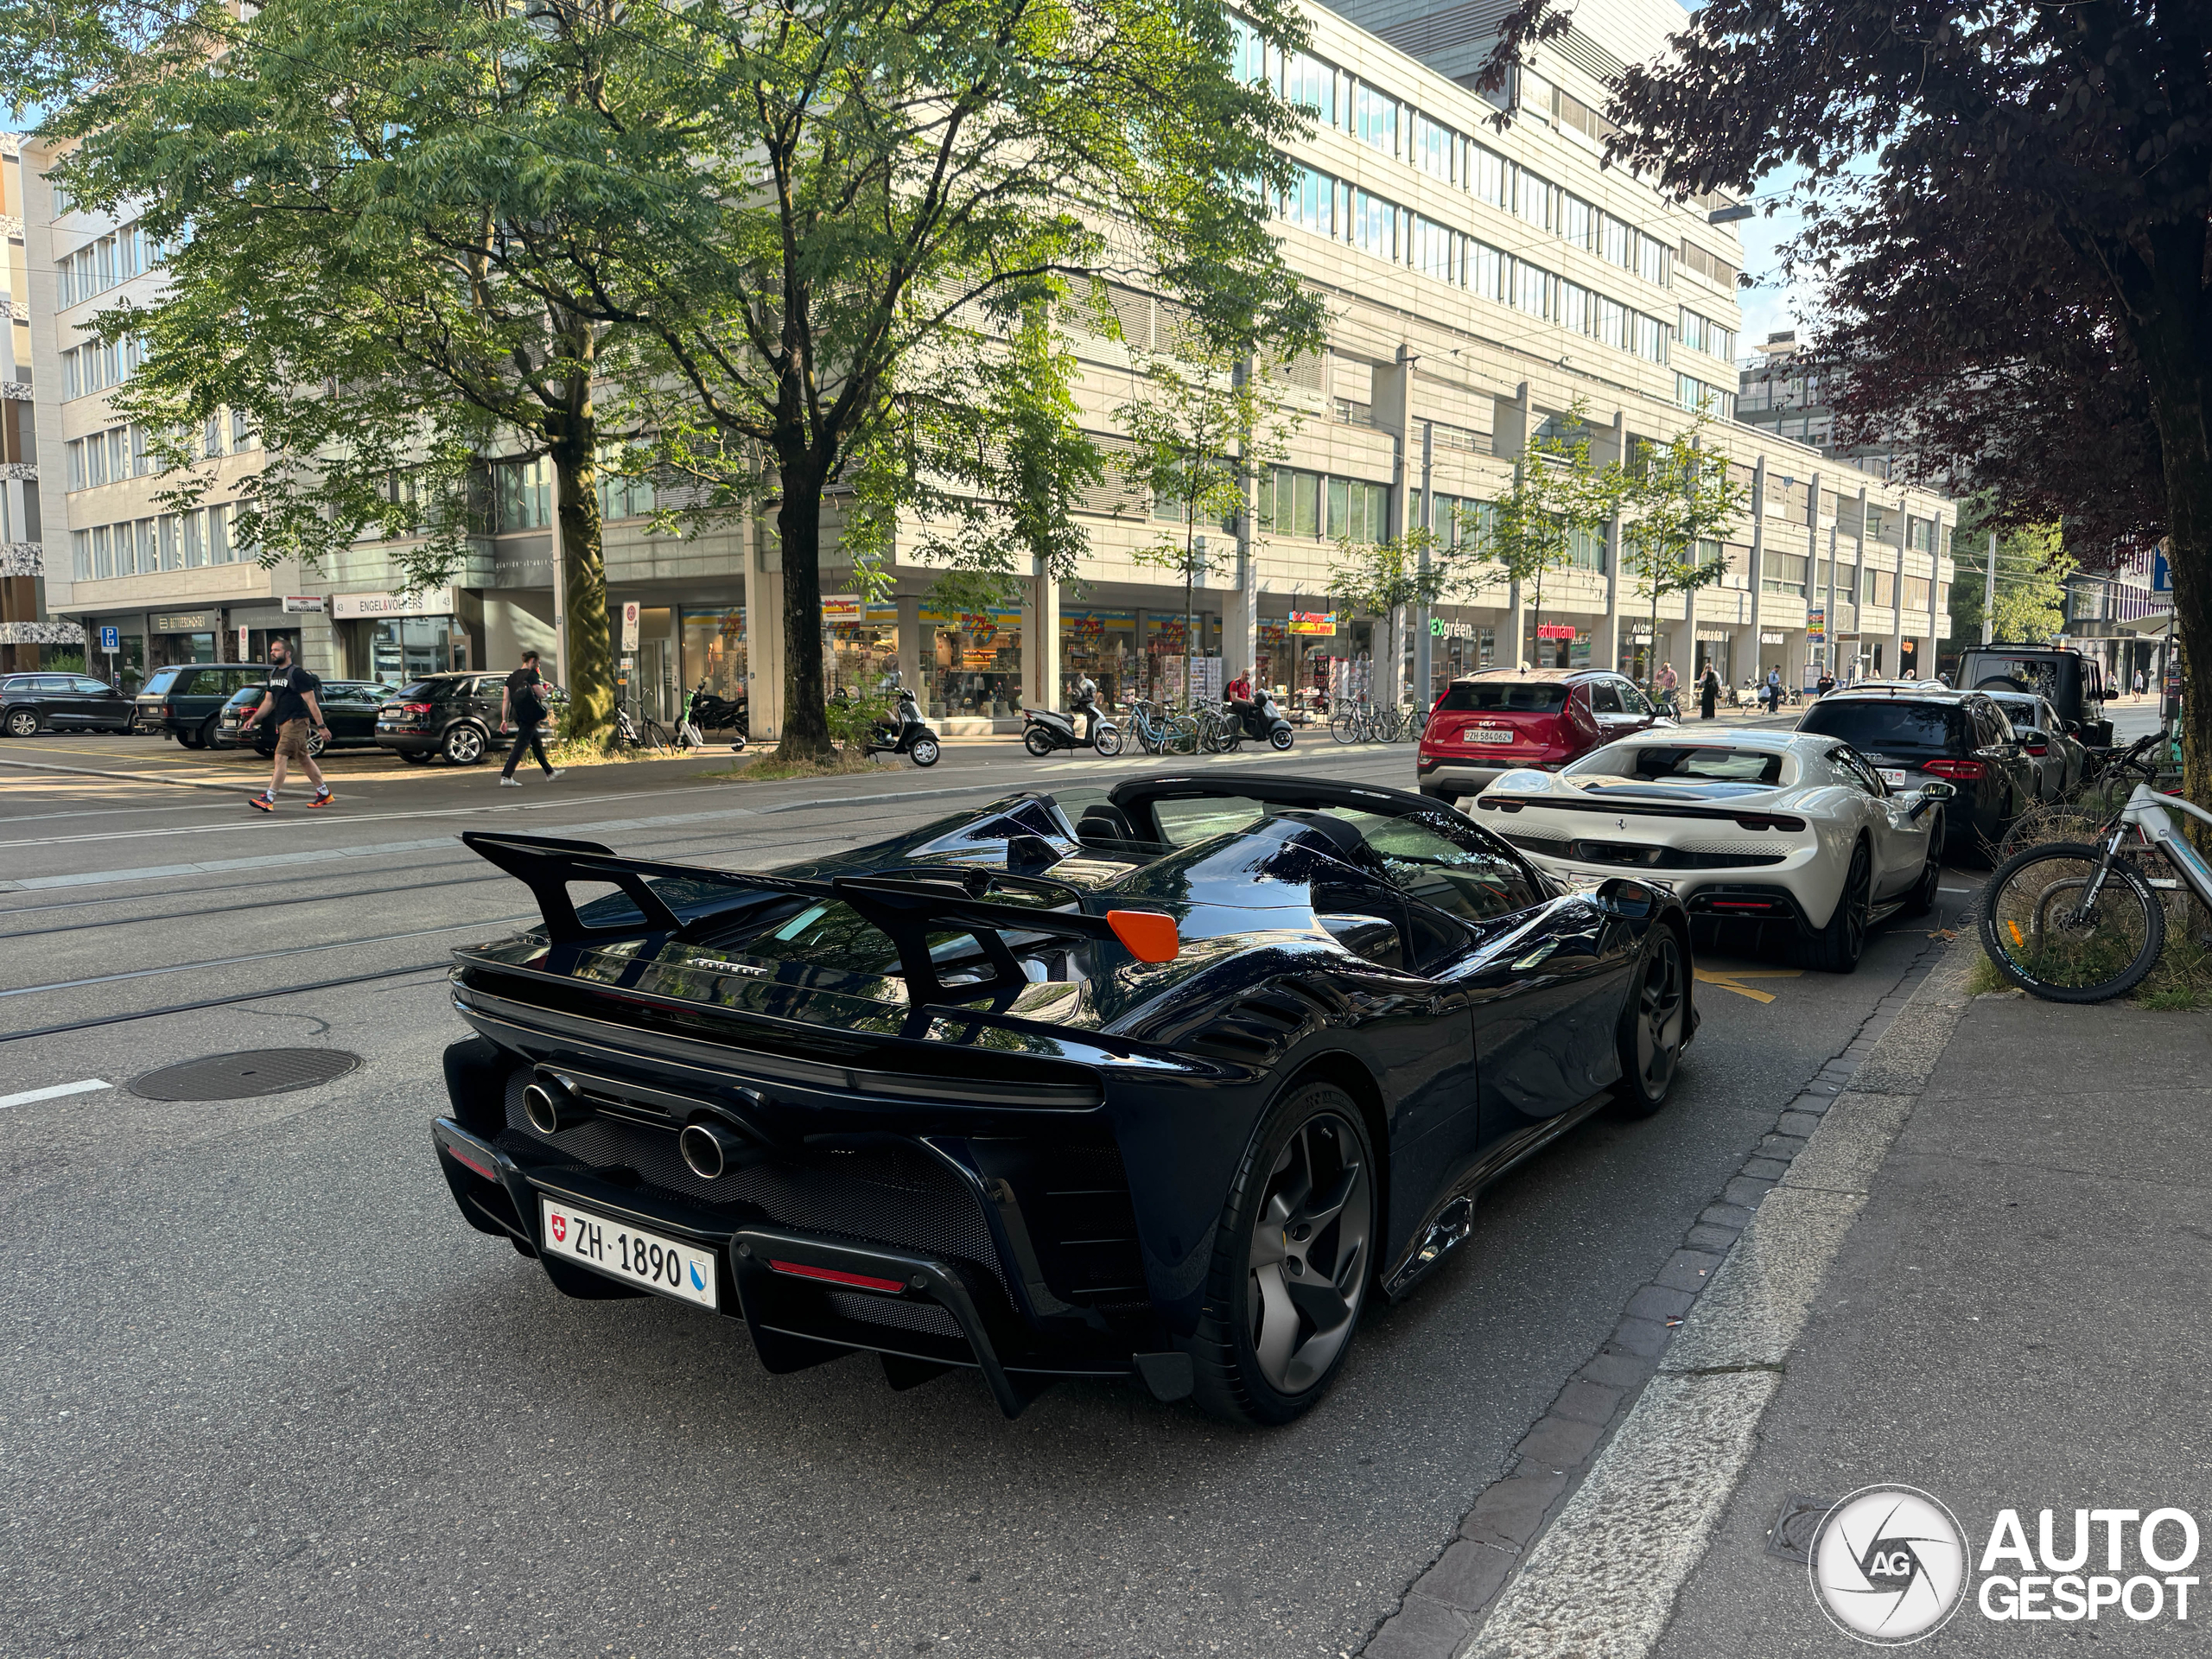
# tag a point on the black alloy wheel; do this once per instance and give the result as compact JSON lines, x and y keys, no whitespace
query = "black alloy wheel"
{"x":1292,"y":1262}
{"x":1655,"y":1025}
{"x":1922,"y":899}
{"x":1836,"y":947}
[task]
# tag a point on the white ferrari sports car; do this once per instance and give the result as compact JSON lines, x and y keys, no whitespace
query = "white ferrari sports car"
{"x":1787,"y":827}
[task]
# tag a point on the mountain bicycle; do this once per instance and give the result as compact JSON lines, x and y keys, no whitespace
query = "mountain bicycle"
{"x":2074,"y":922}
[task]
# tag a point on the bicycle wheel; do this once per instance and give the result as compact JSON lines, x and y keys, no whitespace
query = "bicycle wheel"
{"x":655,"y":737}
{"x":1209,"y":735}
{"x":1345,"y":727}
{"x":2036,"y":930}
{"x":1182,"y":735}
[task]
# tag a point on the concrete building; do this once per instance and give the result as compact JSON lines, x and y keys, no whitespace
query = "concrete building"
{"x":26,"y":630}
{"x":1481,"y":281}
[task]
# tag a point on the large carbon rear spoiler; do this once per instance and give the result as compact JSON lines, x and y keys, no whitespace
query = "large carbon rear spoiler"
{"x":906,"y":908}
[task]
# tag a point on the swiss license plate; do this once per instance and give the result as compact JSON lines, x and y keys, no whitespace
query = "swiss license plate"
{"x":1894,"y":774}
{"x":684,"y":1271}
{"x":1490,"y":734}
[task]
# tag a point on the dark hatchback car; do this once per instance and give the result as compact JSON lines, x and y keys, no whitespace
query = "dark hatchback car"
{"x":456,"y":715}
{"x":31,"y":704}
{"x":1501,"y":719}
{"x":1910,"y":733}
{"x":349,"y":708}
{"x":185,"y":701}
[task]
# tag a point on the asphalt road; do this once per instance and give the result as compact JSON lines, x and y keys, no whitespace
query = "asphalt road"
{"x":264,"y":1390}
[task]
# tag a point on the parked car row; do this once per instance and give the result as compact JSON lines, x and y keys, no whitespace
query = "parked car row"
{"x":204,"y":705}
{"x":31,"y":704}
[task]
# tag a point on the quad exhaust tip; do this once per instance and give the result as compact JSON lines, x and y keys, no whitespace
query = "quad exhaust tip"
{"x":551,"y":1106}
{"x":709,"y":1151}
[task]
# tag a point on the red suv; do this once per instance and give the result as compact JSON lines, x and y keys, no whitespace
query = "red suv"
{"x":1504,"y":718}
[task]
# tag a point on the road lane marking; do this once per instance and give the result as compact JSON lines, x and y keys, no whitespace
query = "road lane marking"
{"x":1726,"y":981}
{"x":88,"y":1085}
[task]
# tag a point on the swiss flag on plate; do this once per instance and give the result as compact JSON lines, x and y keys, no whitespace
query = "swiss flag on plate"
{"x":560,"y":1230}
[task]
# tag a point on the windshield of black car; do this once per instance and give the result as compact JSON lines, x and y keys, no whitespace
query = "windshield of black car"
{"x":1871,"y":727}
{"x":2023,"y":712}
{"x":2051,"y":677}
{"x":1680,"y":763}
{"x":1504,"y":697}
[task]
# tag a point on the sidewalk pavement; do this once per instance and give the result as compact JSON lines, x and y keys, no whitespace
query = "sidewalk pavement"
{"x":2017,"y":1320}
{"x":1985,"y":1277}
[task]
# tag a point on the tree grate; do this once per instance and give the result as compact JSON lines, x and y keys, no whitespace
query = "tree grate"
{"x":245,"y":1074}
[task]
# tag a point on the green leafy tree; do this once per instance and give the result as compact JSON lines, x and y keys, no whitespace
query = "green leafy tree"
{"x":914,"y":203}
{"x":1199,"y":432}
{"x":1677,"y":499}
{"x":2032,"y":566}
{"x":1559,"y":496}
{"x":392,"y":228}
{"x":1383,"y":580}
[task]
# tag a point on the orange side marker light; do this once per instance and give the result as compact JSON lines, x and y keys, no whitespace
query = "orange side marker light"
{"x":1149,"y":936}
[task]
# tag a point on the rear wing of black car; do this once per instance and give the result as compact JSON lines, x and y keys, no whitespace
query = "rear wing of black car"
{"x":906,"y":907}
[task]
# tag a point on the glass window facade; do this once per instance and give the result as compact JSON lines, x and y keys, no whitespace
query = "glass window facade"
{"x":972,"y":662}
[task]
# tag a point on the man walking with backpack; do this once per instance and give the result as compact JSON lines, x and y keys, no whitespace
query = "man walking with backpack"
{"x":291,"y":706}
{"x":522,"y":704}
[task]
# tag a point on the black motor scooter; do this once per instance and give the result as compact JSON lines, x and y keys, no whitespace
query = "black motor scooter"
{"x":1260,"y":721}
{"x":908,"y":733}
{"x":713,"y":713}
{"x":1044,"y":730}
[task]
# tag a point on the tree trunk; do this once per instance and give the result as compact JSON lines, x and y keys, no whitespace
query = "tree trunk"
{"x":573,"y":436}
{"x":2174,"y":363}
{"x":798,"y":527}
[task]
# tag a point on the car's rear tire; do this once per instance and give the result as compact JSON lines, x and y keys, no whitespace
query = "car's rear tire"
{"x":192,"y":737}
{"x":462,"y":746}
{"x":416,"y":757}
{"x":22,"y":722}
{"x":1655,"y":1025}
{"x":1292,"y":1260}
{"x":1922,"y":899}
{"x":1837,"y":947}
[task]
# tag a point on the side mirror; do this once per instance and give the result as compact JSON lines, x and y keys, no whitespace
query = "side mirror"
{"x":1929,"y":794}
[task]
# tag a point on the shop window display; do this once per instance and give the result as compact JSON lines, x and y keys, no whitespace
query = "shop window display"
{"x":973,"y":662}
{"x":1164,"y":636}
{"x":1102,"y":644}
{"x":404,"y":648}
{"x":860,"y":647}
{"x":714,"y":651}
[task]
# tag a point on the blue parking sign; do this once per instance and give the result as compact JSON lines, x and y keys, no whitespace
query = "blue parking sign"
{"x":110,"y":638}
{"x":2162,"y":574}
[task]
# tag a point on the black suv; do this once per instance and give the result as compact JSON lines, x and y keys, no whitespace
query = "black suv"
{"x":186,"y":700}
{"x":1909,"y":732}
{"x":31,"y":704}
{"x":2070,"y":682}
{"x":454,"y":715}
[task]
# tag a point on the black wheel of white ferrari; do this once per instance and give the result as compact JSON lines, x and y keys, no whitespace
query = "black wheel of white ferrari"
{"x":1835,"y":949}
{"x":1655,"y":1025}
{"x":1922,"y":899}
{"x":1292,"y":1261}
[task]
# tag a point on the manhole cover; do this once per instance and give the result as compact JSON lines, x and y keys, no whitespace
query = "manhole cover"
{"x":241,"y":1076}
{"x":1791,"y":1535}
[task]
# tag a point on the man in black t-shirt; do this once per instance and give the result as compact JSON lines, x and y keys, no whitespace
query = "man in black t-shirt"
{"x":522,"y":704}
{"x":290,"y":705}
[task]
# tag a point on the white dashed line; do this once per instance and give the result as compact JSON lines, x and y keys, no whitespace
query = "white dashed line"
{"x":88,"y":1085}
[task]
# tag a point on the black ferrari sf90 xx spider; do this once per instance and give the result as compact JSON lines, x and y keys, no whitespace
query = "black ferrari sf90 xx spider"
{"x":1159,"y":1083}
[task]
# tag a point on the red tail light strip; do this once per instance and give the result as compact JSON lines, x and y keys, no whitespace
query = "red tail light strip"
{"x":832,"y":1275}
{"x":1965,"y":771}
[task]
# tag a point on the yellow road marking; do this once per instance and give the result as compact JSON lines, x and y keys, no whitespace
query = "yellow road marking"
{"x":1727,"y":981}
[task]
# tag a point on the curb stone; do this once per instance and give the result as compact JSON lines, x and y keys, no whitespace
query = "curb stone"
{"x":1538,"y":1566}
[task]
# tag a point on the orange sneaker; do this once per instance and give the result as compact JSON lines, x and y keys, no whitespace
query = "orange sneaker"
{"x":261,"y":803}
{"x":322,"y":797}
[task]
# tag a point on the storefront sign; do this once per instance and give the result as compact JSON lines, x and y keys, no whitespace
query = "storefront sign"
{"x":1320,"y":622}
{"x":423,"y":602}
{"x":1771,"y":639}
{"x":298,"y":605}
{"x":185,"y":622}
{"x":1713,"y":636}
{"x":1100,"y":618}
{"x":1816,"y":623}
{"x":850,"y":607}
{"x":1440,"y":629}
{"x":630,"y":609}
{"x":1555,"y":631}
{"x":968,"y":619}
